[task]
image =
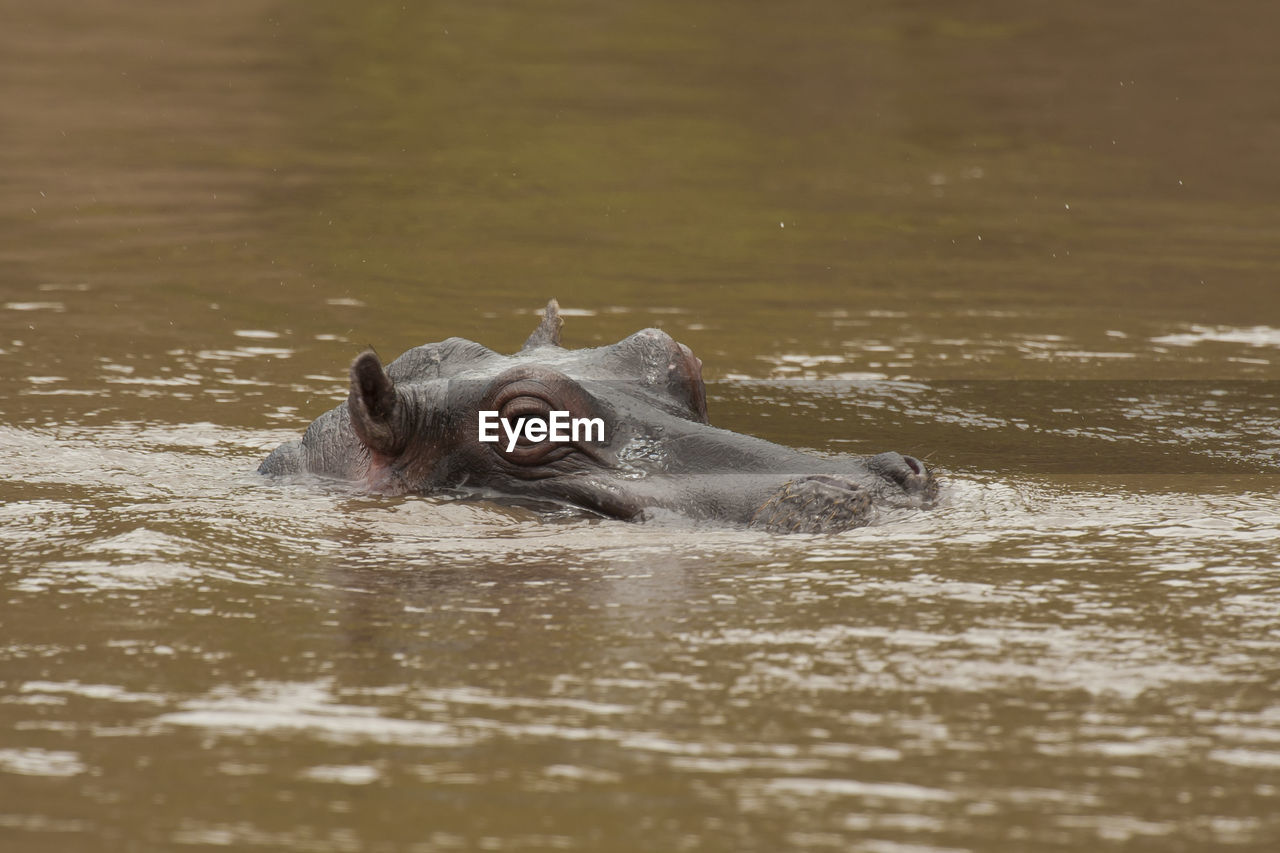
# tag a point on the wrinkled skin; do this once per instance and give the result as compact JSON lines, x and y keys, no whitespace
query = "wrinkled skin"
{"x":412,"y":428}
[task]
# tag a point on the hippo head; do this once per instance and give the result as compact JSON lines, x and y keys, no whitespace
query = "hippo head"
{"x":619,"y":430}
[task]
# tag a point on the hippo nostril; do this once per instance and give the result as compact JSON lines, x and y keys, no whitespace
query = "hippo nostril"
{"x":906,"y":472}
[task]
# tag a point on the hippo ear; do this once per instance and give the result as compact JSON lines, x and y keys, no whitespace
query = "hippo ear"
{"x":374,"y":406}
{"x":548,"y":332}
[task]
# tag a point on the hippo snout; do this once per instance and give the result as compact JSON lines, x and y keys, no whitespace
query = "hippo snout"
{"x":906,"y":472}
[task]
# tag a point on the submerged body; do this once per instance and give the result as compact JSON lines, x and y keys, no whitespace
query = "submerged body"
{"x":427,"y":423}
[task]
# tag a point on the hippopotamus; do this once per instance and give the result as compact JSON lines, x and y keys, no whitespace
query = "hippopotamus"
{"x":619,"y":431}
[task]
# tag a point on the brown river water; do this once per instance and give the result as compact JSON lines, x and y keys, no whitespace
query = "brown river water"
{"x":1036,"y":244}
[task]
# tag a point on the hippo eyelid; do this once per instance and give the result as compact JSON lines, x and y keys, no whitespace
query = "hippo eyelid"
{"x":539,"y":381}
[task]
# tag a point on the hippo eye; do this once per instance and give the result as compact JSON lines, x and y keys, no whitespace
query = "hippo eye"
{"x":519,"y":411}
{"x":564,"y":418}
{"x":520,"y":406}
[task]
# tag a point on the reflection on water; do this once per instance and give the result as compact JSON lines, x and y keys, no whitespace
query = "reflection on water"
{"x":1033,"y":244}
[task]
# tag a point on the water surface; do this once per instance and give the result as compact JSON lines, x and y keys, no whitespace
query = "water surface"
{"x":1033,"y":245}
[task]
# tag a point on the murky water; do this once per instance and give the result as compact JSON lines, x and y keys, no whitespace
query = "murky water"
{"x":1035,"y":244}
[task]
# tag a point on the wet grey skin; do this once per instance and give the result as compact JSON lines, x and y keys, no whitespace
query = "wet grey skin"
{"x":412,"y":428}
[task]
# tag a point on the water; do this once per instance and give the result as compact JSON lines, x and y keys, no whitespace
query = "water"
{"x":210,"y":212}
